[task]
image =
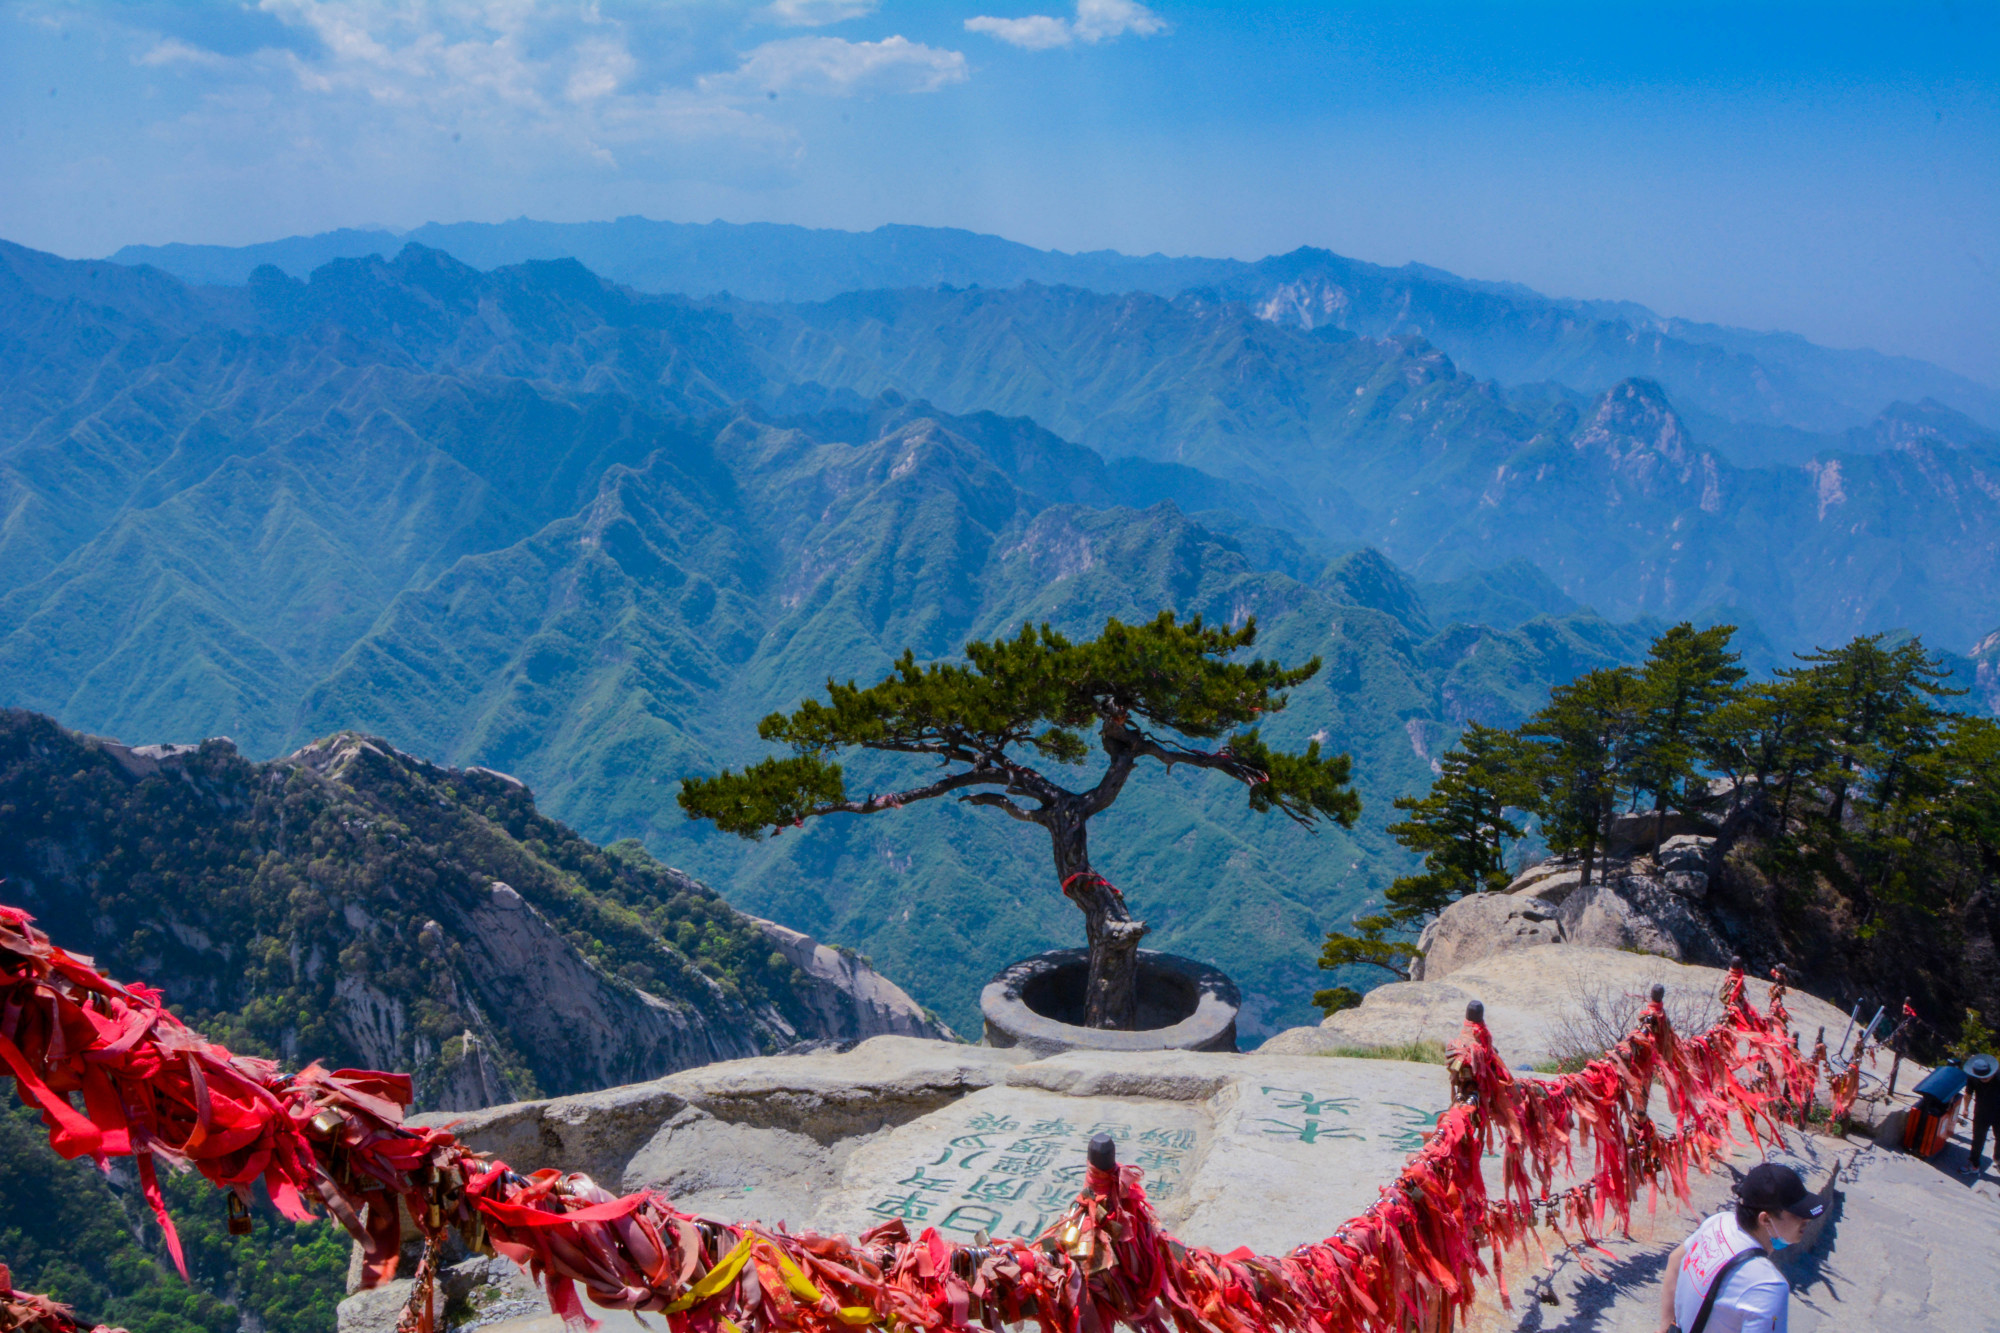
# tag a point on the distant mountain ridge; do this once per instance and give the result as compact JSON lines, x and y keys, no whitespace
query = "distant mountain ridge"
{"x":1742,"y":385}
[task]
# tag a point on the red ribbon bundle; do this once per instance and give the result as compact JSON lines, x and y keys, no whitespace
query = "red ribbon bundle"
{"x":25,"y":1312}
{"x":152,"y":1089}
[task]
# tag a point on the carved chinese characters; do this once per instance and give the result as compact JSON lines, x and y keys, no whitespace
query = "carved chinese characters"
{"x":1008,"y":1162}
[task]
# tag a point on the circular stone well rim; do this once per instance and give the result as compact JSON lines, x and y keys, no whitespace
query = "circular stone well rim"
{"x":1010,"y":1022}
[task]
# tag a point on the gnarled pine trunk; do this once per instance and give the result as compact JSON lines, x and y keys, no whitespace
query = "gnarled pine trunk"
{"x":1111,"y":994}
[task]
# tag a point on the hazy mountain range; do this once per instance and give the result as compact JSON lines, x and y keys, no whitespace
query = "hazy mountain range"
{"x":1765,"y":397}
{"x":533,"y":520}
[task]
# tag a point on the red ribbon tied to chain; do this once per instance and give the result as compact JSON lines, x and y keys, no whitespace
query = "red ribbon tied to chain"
{"x":153,"y":1090}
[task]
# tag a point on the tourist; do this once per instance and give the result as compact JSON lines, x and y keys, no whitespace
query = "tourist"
{"x":1985,"y":1090}
{"x":1721,"y":1279}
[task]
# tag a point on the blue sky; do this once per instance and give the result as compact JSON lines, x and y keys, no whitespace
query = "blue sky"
{"x":1829,"y":169}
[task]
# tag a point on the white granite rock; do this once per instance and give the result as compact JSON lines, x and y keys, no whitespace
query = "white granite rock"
{"x":1630,"y":904}
{"x":1688,"y":851}
{"x":1008,"y":1161}
{"x":1236,"y":1149}
{"x":848,"y":998}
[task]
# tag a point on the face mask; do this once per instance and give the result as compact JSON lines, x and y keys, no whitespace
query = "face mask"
{"x":1780,"y":1243}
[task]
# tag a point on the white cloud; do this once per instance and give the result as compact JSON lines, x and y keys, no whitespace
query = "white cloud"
{"x":815,"y":13}
{"x":1095,"y":21}
{"x":1037,"y":32}
{"x":1102,"y":20}
{"x":830,"y":67}
{"x":174,"y":51}
{"x":471,"y":101}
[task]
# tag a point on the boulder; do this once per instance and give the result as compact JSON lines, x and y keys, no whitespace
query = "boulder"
{"x":1633,"y":833}
{"x":1551,"y":881}
{"x":1478,"y":926}
{"x":1686,"y":851}
{"x":1628,"y":905}
{"x":1643,"y":913}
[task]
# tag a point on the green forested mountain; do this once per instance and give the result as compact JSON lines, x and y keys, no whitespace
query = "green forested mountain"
{"x":1762,"y":394}
{"x":353,"y":904}
{"x":657,"y":637}
{"x":343,"y":904}
{"x":534,"y":521}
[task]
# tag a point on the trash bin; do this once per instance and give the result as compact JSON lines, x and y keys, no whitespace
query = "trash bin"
{"x":1940,"y":1089}
{"x":1934,"y":1117}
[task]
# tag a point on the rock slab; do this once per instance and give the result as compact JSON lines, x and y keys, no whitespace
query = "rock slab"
{"x":1538,"y":1005}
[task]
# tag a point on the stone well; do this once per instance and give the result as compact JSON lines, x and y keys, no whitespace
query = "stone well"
{"x":1037,"y":1005}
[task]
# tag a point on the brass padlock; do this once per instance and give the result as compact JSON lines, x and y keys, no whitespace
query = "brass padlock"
{"x":327,"y":1123}
{"x":239,"y":1215}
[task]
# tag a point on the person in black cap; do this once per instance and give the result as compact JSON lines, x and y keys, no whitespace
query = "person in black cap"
{"x":1721,"y":1279}
{"x":1985,"y":1089}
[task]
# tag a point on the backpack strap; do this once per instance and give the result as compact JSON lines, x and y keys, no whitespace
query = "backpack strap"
{"x":1736,"y":1261}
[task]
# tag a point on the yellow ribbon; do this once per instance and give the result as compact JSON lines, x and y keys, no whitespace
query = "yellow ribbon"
{"x":795,"y":1279}
{"x":717,"y":1277}
{"x":801,"y":1286}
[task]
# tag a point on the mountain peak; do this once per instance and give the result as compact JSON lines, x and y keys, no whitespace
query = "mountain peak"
{"x":1637,"y":433}
{"x":1368,"y":578}
{"x":1923,"y":424}
{"x":1637,"y":410}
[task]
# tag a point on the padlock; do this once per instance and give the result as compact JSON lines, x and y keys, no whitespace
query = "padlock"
{"x":327,"y":1123}
{"x":239,"y":1215}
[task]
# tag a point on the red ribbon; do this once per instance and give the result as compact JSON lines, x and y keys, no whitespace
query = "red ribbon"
{"x":152,"y":1089}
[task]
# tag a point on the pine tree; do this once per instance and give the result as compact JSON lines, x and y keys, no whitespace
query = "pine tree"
{"x":1461,"y":824}
{"x":1878,"y":710}
{"x":1369,"y":945}
{"x":1688,"y":675}
{"x":1153,"y":691}
{"x":1586,"y":738}
{"x":1968,"y":790}
{"x":1462,"y":829}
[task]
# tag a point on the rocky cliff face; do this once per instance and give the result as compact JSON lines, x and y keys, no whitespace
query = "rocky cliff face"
{"x":1986,"y":671}
{"x":357,"y":905}
{"x":847,"y":999}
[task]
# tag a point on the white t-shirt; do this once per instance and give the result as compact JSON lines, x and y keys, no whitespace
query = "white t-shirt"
{"x":1753,"y":1300}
